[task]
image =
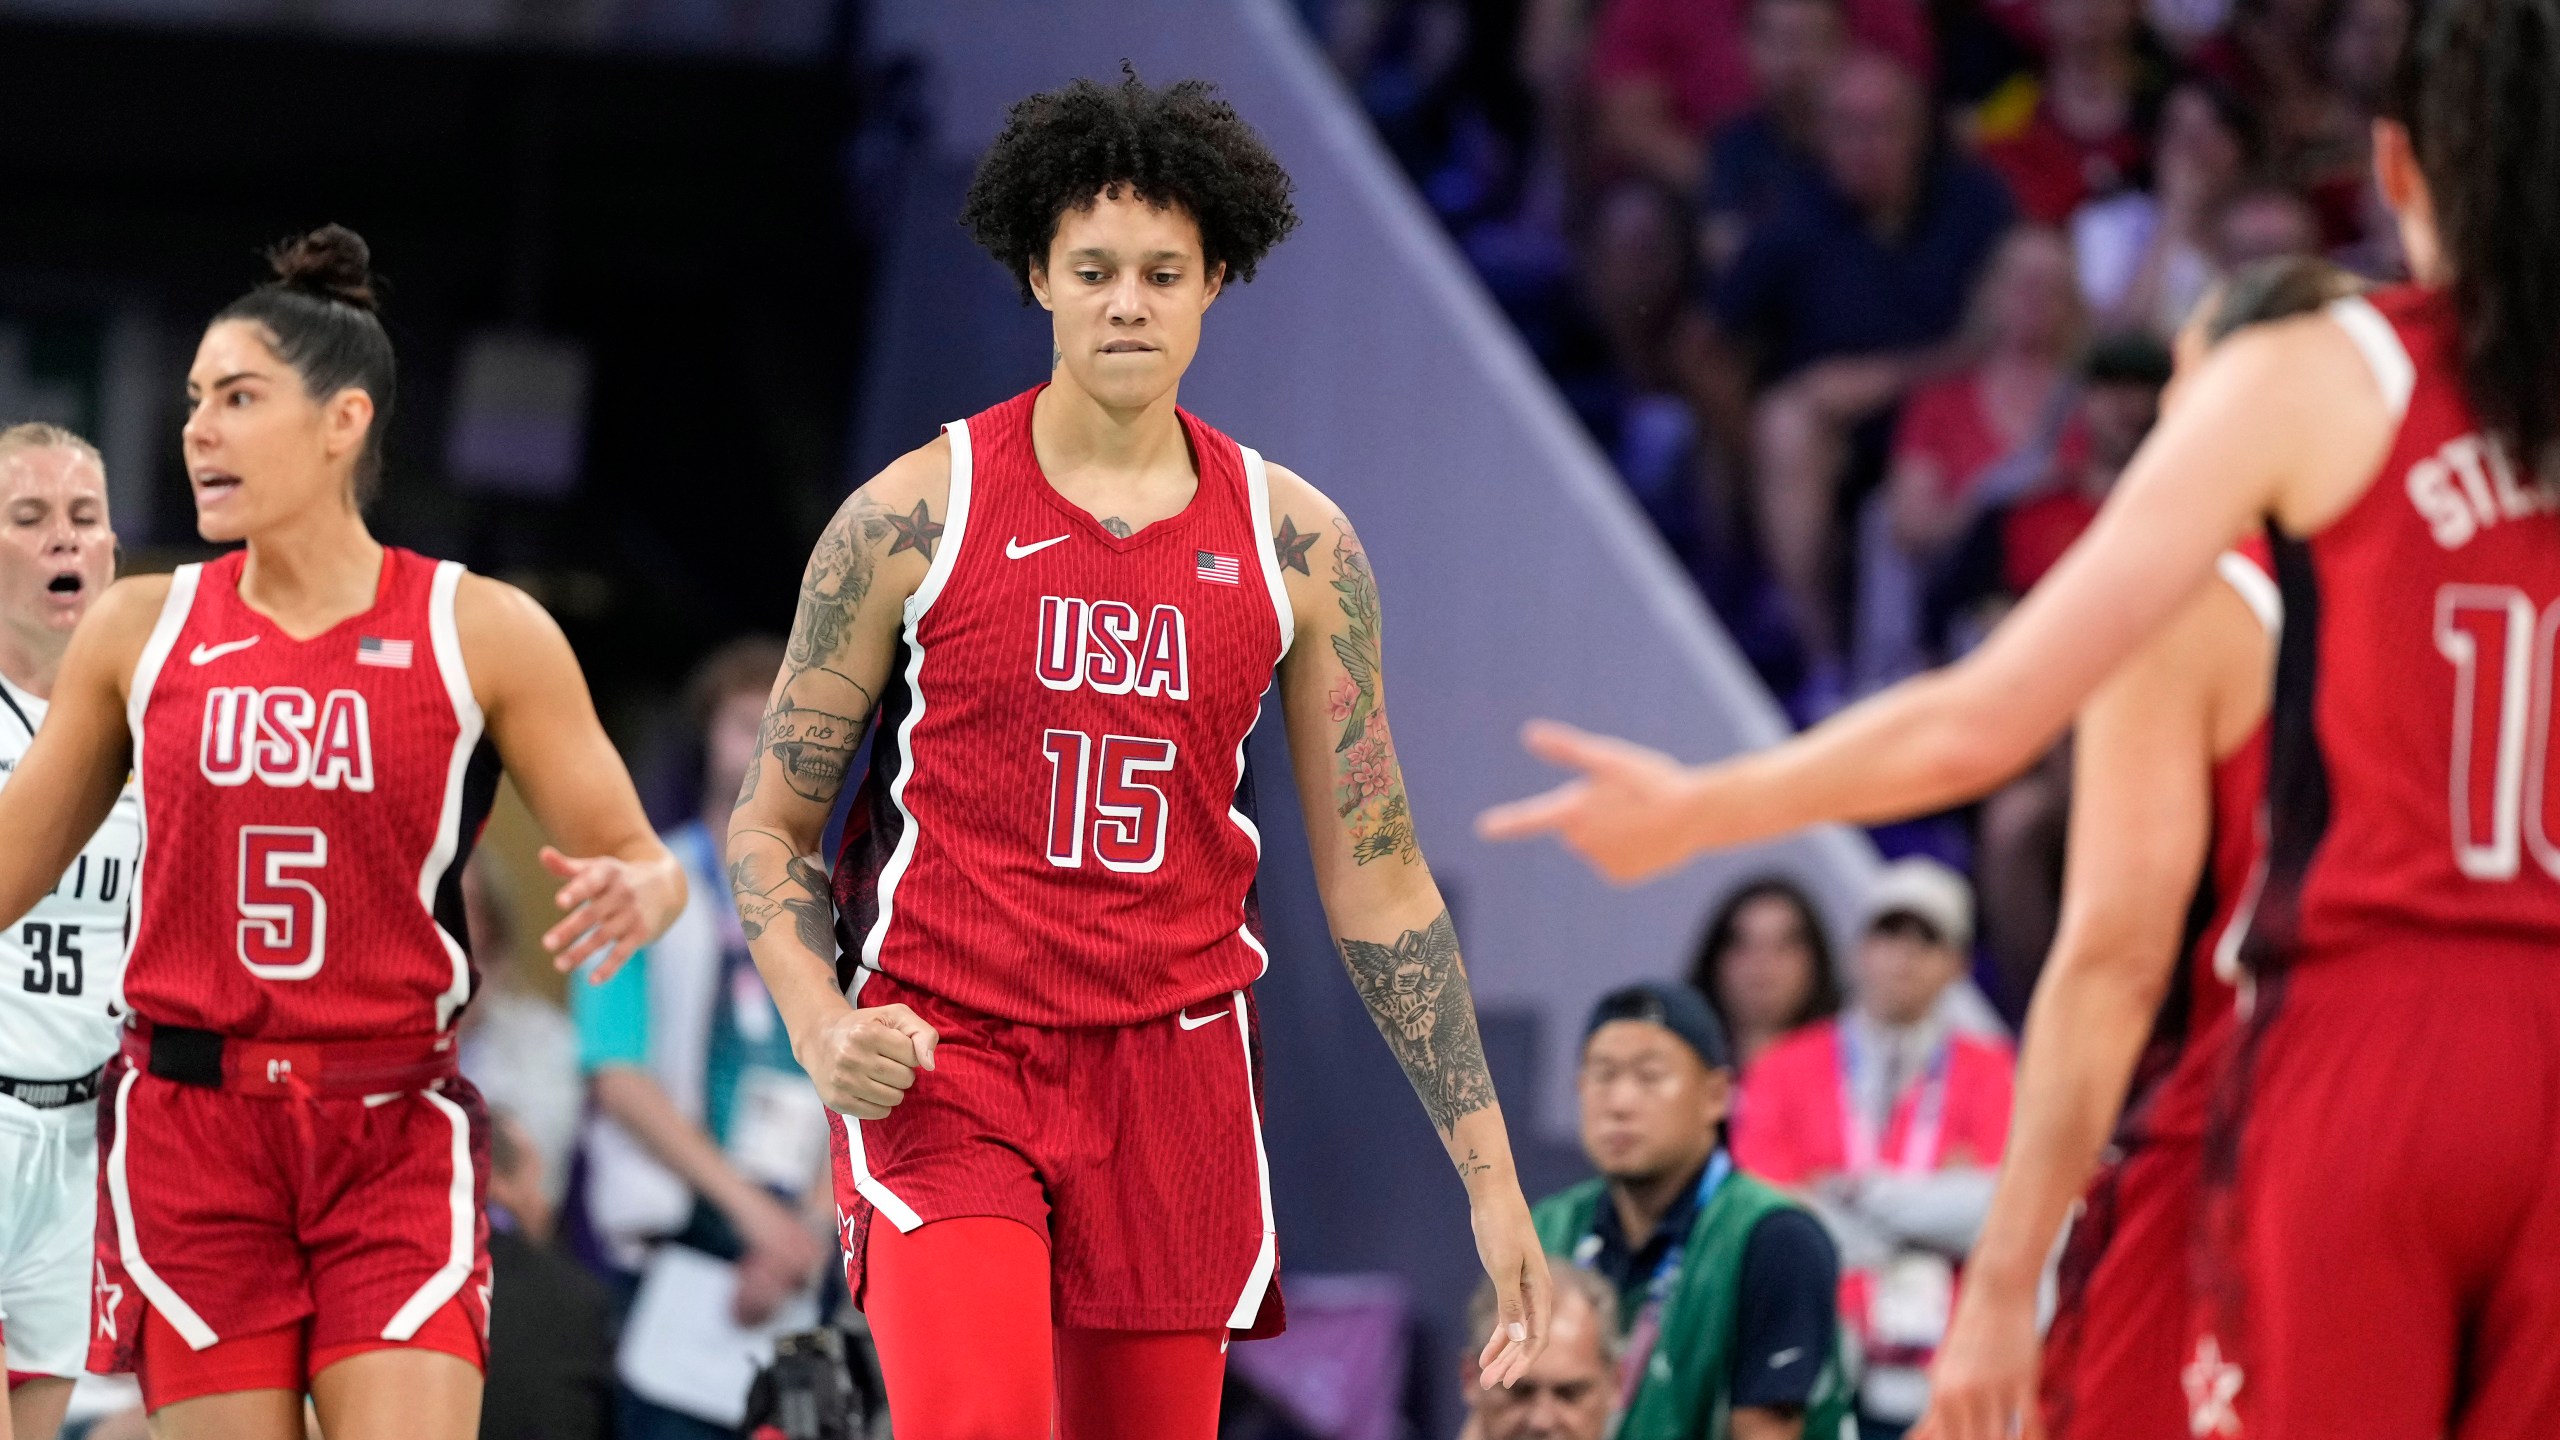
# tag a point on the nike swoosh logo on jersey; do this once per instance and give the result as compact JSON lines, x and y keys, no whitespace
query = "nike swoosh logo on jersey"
{"x":207,"y":654}
{"x":1014,"y":549}
{"x":1184,"y":1015}
{"x":1786,"y":1357}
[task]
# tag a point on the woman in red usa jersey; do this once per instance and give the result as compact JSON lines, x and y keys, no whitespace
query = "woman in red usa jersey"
{"x":2134,"y":1010}
{"x":1026,"y":991}
{"x":290,"y":1196}
{"x":2393,"y":1220}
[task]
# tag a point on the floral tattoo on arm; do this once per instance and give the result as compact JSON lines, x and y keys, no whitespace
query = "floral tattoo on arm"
{"x":1369,"y":794}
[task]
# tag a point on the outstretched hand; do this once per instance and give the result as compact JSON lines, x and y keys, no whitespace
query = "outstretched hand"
{"x":1630,"y":813}
{"x":605,"y":917}
{"x":1507,"y":1243}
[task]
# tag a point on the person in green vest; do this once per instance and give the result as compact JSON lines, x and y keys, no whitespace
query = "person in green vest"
{"x":1728,"y":1290}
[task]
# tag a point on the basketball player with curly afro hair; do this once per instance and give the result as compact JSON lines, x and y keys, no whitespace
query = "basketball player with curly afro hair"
{"x":1025,"y":993}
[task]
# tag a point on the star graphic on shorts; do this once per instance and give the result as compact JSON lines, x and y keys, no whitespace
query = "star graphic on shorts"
{"x":2212,"y":1384}
{"x":916,"y":531}
{"x":1291,"y":545}
{"x":110,"y":1296}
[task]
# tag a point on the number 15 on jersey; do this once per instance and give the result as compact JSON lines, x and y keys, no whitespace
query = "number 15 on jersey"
{"x":1127,"y":829}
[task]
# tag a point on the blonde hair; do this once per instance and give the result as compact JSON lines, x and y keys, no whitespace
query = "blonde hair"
{"x":44,"y":435}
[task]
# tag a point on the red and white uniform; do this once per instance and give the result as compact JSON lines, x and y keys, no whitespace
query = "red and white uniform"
{"x":2394,"y":1215}
{"x":2126,"y":1320}
{"x":307,"y":808}
{"x":1051,"y":861}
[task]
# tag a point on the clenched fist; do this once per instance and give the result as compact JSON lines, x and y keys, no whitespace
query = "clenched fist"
{"x":862,"y":1061}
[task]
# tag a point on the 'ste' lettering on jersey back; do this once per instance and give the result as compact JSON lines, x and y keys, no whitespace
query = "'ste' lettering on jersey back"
{"x":284,"y":739}
{"x":1099,"y":645}
{"x":2468,"y":485}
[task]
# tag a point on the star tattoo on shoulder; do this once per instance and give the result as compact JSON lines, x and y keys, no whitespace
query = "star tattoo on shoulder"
{"x":1291,"y":544}
{"x":916,"y":530}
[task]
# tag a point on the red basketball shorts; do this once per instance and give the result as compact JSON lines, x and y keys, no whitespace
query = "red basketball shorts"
{"x":1135,"y":1151}
{"x":231,"y":1215}
{"x":2126,"y":1317}
{"x":2393,"y":1225}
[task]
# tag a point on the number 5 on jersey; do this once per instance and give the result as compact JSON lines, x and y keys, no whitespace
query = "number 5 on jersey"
{"x":1128,"y":813}
{"x":284,"y":921}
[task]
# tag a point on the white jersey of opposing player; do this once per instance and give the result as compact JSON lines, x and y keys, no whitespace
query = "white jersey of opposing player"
{"x":62,"y":966}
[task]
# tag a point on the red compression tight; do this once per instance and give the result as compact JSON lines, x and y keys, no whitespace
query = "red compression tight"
{"x":960,"y":1311}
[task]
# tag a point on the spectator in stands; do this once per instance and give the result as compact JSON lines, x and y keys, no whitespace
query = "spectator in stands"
{"x":551,"y":1343}
{"x":2146,"y":258}
{"x":707,"y":1135}
{"x":2325,"y":151}
{"x":1641,"y":272}
{"x":1846,"y":298}
{"x":1762,"y":155}
{"x":2081,"y":128}
{"x":2264,"y":222}
{"x":2120,"y":383}
{"x":518,"y":1045}
{"x":1666,"y":73}
{"x":2270,"y":51}
{"x":1570,"y":1392}
{"x":1951,"y":434}
{"x":1726,"y":1289}
{"x":1890,"y":1121}
{"x":1764,"y":965}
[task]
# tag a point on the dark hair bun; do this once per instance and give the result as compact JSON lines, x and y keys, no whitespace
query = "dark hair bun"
{"x":331,"y":262}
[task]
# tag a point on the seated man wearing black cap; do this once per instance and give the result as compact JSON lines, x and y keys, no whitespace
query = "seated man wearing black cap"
{"x":1728,"y":1289}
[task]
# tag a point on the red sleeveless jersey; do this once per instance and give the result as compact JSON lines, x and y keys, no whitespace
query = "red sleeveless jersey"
{"x":2408,"y":791}
{"x":2173,"y":1082}
{"x":1054,"y":828}
{"x":307,"y":807}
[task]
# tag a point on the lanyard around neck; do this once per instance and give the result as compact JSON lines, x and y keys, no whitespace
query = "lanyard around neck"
{"x":1861,"y":1144}
{"x":1646,"y":1330}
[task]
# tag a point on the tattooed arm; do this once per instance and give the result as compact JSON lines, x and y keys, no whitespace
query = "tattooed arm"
{"x":1388,"y":917}
{"x":871,"y":557}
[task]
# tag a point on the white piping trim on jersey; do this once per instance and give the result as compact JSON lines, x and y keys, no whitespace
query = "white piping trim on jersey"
{"x":180,"y":1315}
{"x":447,"y":1282}
{"x":2258,"y":590}
{"x":2380,"y":344}
{"x":882,"y":1199}
{"x":1257,"y":485}
{"x":175,"y":607}
{"x":1257,"y":489}
{"x":1252,"y":832}
{"x":937,"y":574}
{"x":2256,"y":587}
{"x":2226,"y":951}
{"x":445,"y":638}
{"x":1267,"y":1257}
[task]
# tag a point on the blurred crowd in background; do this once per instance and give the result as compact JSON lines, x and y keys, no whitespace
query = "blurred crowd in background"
{"x":1868,"y":301}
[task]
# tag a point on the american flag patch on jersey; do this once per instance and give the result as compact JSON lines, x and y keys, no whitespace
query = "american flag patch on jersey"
{"x":389,"y":654}
{"x":1219,"y":569}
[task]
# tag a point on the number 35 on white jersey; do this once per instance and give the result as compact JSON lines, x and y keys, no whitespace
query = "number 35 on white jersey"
{"x":62,"y":964}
